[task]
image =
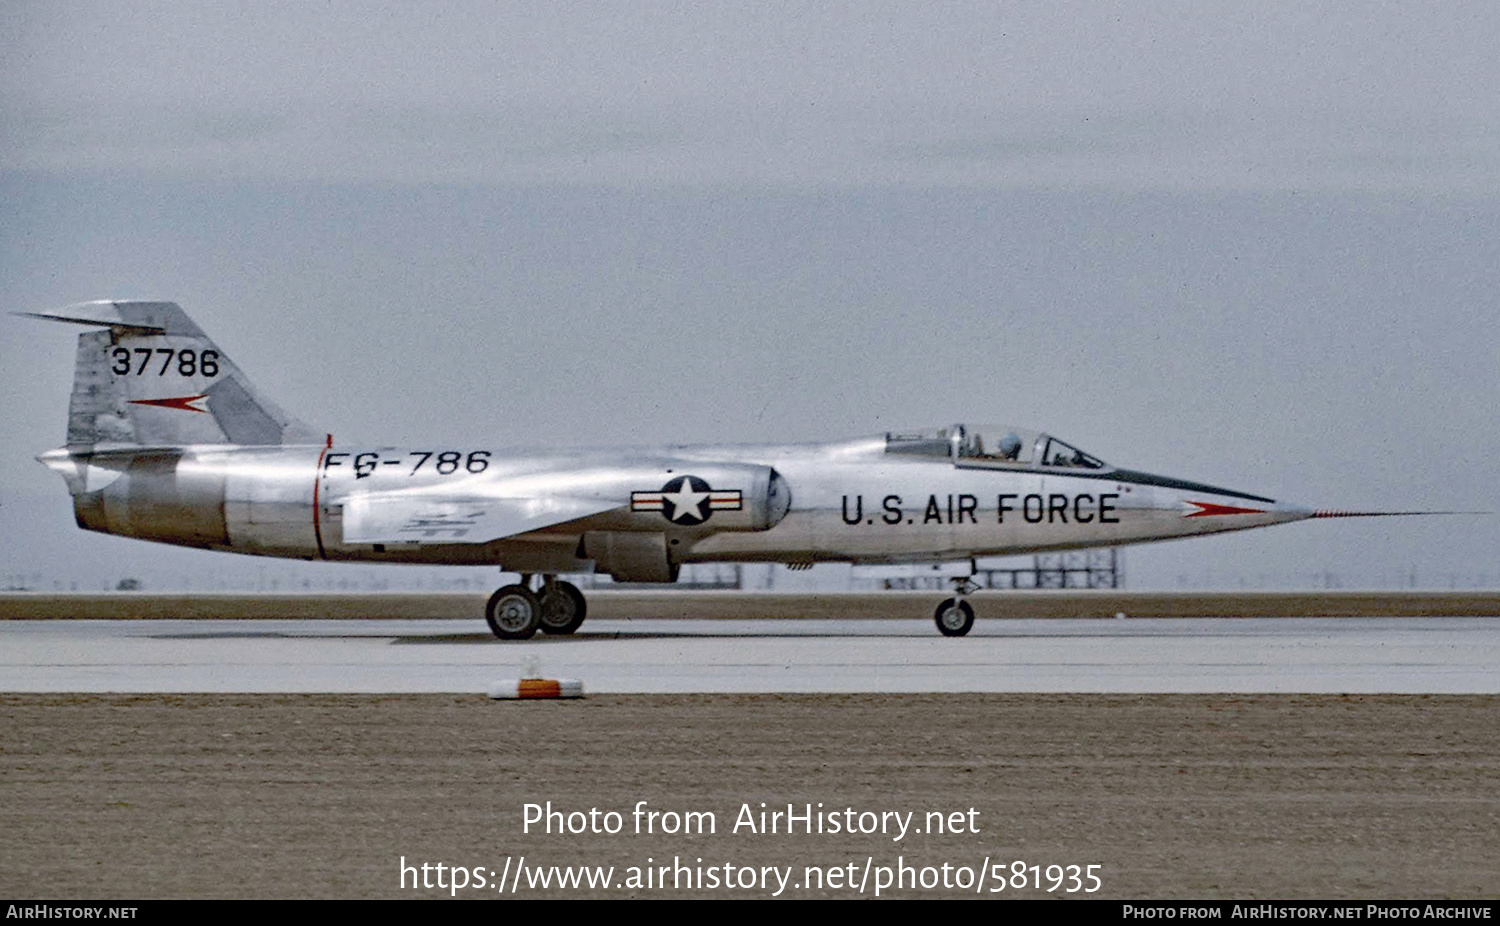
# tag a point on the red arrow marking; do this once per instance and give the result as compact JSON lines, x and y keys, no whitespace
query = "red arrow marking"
{"x":1206,"y":509}
{"x":189,"y":403}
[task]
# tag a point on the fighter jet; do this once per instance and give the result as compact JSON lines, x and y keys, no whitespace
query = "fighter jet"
{"x":169,"y":441}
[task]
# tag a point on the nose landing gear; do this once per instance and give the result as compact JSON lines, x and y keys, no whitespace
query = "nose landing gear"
{"x":515,"y":612}
{"x":955,"y":617}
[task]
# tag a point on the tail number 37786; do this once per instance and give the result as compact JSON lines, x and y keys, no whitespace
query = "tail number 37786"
{"x":187,"y":362}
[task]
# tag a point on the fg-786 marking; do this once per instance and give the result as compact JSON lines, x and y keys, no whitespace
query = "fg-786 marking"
{"x":445,"y":462}
{"x":155,"y":452}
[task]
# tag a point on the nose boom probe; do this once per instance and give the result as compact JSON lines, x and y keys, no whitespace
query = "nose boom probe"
{"x":1338,"y":513}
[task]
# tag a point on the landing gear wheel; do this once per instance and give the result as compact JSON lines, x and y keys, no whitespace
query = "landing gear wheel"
{"x":563,"y":608}
{"x":514,"y":613}
{"x":954,"y":617}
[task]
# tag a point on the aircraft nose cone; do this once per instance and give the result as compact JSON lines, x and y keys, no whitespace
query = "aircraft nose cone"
{"x":1283,"y":512}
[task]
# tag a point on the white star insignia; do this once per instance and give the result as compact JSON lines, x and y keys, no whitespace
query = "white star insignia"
{"x":685,"y":501}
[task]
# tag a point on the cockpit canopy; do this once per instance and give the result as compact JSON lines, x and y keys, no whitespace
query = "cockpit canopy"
{"x":999,"y":446}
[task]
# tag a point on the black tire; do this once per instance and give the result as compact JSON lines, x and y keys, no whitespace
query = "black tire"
{"x":564,"y":609}
{"x":954,"y":618}
{"x":514,"y":613}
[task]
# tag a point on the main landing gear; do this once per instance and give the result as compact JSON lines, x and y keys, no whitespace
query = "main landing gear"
{"x":515,"y":612}
{"x":955,"y":617}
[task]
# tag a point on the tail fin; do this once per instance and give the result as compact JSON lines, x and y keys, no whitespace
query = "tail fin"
{"x":154,"y":379}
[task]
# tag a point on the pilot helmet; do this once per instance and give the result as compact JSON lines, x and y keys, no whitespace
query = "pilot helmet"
{"x":1010,"y":446}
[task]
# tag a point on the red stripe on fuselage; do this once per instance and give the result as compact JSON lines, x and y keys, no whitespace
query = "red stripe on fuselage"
{"x":317,"y":506}
{"x":1207,"y":509}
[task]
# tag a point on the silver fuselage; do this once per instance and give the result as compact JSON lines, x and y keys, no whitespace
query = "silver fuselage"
{"x":852,"y":501}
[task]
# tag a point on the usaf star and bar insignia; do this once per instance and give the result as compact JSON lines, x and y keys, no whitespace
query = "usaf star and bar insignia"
{"x":687,"y":500}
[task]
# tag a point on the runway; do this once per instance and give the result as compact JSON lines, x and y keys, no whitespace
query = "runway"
{"x":654,"y":656}
{"x":703,"y":604}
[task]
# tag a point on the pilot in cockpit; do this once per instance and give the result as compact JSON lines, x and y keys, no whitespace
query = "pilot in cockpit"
{"x":1010,"y":447}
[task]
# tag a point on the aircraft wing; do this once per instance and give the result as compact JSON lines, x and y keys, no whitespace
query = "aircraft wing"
{"x":408,"y":518}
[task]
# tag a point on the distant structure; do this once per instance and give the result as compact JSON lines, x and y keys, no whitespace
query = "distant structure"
{"x":1097,"y":568}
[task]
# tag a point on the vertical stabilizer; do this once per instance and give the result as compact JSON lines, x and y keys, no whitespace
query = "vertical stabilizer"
{"x":153,"y":378}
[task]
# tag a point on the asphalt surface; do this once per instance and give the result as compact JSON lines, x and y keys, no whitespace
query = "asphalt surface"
{"x":1327,"y":655}
{"x":699,"y":604}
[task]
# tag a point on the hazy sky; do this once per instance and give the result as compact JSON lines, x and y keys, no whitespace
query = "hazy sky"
{"x":1353,"y":96}
{"x":1257,"y":246}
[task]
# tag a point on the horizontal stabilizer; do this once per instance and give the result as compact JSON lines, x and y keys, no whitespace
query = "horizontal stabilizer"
{"x":106,"y":313}
{"x":405,"y":518}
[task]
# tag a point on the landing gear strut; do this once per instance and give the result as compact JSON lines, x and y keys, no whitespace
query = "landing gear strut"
{"x":954,"y":617}
{"x":515,"y":612}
